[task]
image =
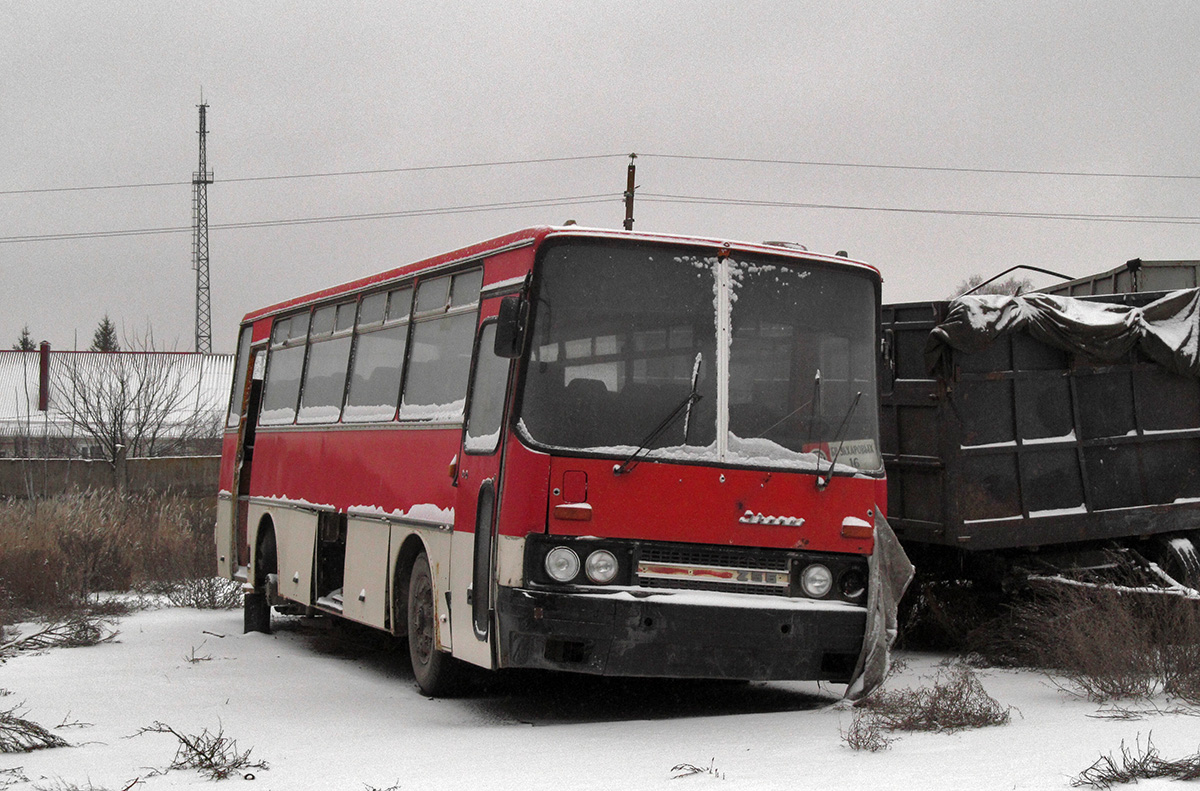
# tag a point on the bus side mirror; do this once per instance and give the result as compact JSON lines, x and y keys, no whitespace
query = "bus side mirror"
{"x":510,"y":328}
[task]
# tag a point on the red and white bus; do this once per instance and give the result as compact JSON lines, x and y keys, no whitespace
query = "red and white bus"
{"x":573,"y":449}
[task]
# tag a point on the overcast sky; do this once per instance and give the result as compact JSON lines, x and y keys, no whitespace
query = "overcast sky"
{"x":98,"y":94}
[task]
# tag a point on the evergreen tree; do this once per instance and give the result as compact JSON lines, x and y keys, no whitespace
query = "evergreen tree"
{"x":105,"y":339}
{"x":25,"y":342}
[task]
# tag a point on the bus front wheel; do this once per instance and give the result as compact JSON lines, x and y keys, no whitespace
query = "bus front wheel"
{"x":437,"y":673}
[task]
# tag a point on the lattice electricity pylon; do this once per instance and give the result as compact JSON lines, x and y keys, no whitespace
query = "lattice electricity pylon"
{"x":200,"y":181}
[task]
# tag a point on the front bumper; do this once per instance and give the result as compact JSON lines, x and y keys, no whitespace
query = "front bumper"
{"x":690,"y":634}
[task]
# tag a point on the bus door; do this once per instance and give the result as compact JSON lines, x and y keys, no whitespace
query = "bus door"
{"x":479,"y":466}
{"x":248,"y":424}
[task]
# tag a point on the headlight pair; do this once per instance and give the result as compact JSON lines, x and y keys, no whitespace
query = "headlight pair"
{"x":562,"y":565}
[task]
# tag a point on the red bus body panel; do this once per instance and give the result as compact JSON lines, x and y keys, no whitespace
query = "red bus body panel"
{"x":712,"y":505}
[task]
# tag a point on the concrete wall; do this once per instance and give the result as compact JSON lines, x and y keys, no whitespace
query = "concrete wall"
{"x":190,"y":475}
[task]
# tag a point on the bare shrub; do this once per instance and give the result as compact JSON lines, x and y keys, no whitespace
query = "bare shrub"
{"x":1110,"y":645}
{"x":14,"y":775}
{"x":866,"y":732}
{"x":76,"y":632}
{"x":1140,"y":763}
{"x":956,"y":701}
{"x":19,"y":735}
{"x":688,"y":770}
{"x":58,"y":784}
{"x":206,"y":593}
{"x":946,"y":615}
{"x":215,"y":755}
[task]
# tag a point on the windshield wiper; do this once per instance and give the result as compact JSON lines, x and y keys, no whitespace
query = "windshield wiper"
{"x":823,"y":480}
{"x":684,"y":408}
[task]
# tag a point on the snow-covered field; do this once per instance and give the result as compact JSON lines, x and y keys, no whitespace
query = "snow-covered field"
{"x":325,"y":713}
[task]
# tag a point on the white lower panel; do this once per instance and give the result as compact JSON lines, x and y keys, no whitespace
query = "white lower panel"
{"x":223,"y":533}
{"x":295,"y":541}
{"x":365,"y":589}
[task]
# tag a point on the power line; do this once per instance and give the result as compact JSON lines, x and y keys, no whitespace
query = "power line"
{"x":686,"y":157}
{"x":576,"y":200}
{"x":413,"y":169}
{"x":930,"y":168}
{"x":651,"y":197}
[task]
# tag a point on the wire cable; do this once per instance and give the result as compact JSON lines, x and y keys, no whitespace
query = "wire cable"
{"x":540,"y":203}
{"x":929,"y":168}
{"x":652,"y":197}
{"x":413,"y":169}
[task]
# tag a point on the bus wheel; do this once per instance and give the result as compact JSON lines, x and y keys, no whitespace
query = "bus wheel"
{"x":436,"y":671}
{"x":256,"y":606}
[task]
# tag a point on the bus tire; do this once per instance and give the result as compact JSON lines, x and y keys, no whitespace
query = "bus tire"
{"x":256,"y":606}
{"x":436,"y":671}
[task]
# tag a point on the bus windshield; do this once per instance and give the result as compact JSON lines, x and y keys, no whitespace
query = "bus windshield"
{"x":780,"y":351}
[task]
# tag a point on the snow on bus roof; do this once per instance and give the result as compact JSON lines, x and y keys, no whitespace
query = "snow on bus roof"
{"x":534,"y":235}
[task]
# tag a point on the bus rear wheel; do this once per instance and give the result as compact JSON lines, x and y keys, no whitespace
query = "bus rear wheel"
{"x":437,"y":673}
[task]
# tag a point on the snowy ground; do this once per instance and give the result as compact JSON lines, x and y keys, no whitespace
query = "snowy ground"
{"x":325,"y":713}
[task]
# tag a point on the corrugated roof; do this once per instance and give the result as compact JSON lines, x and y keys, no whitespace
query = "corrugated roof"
{"x":202,"y":382}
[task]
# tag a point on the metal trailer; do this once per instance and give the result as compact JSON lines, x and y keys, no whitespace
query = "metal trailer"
{"x":1135,"y":275}
{"x":1027,"y":452}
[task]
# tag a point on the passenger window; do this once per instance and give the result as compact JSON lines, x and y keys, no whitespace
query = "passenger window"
{"x":487,"y":396}
{"x":465,"y":289}
{"x":372,"y":309}
{"x":324,"y":381}
{"x":375,"y":380}
{"x":378,"y":362}
{"x":438,"y":368}
{"x":345,"y":317}
{"x":433,"y":294}
{"x":439,"y":360}
{"x":322,"y":322}
{"x":399,"y":303}
{"x":285,"y":363}
{"x":239,"y":379}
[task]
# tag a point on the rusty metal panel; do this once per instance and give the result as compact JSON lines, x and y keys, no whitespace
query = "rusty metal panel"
{"x":1027,"y":445}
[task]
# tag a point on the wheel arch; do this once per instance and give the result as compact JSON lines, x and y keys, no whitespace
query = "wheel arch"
{"x":409,"y":549}
{"x":269,"y":563}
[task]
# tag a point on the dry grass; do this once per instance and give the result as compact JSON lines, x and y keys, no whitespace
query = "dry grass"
{"x":1107,"y":645}
{"x":1140,"y":763}
{"x":55,"y":554}
{"x":956,"y":701}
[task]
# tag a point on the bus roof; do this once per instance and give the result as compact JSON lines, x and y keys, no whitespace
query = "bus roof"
{"x":531,"y":236}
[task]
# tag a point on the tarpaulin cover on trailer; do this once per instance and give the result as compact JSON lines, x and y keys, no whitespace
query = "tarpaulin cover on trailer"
{"x":1166,"y":330}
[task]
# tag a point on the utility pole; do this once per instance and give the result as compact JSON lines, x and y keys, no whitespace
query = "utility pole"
{"x":200,"y":181}
{"x":629,"y":188}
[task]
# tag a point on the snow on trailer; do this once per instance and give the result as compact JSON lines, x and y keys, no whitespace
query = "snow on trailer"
{"x":1055,"y":424}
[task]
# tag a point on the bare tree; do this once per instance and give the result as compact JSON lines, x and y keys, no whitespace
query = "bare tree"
{"x":135,"y":403}
{"x":1011,"y":287}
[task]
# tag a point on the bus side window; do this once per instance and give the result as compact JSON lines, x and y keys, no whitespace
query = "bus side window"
{"x":439,"y":359}
{"x":487,"y":395}
{"x":378,"y":359}
{"x":285,"y":363}
{"x":239,"y":378}
{"x":328,"y":356}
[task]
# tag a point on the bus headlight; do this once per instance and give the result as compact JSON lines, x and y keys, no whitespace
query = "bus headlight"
{"x":854,"y":584}
{"x":601,"y":566}
{"x":816,"y":581}
{"x":562,"y":564}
